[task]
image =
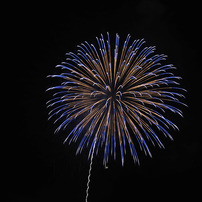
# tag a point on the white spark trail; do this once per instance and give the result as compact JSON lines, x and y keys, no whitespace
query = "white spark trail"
{"x":89,"y":173}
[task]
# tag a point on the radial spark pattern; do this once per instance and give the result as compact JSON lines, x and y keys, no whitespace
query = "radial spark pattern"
{"x":116,"y":97}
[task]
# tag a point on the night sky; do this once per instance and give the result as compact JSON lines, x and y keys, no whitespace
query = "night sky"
{"x":39,"y":167}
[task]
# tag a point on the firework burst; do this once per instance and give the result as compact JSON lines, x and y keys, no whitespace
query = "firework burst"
{"x":116,"y":97}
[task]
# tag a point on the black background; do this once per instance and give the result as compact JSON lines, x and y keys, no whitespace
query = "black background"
{"x":39,"y":167}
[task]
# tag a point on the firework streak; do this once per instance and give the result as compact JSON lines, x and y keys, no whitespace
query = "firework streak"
{"x":117,"y":97}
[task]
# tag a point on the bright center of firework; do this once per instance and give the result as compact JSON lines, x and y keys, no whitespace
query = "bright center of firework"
{"x":111,"y":93}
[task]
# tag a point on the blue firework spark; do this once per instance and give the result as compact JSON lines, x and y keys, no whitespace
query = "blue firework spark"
{"x":115,"y":96}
